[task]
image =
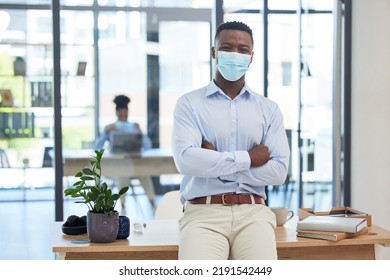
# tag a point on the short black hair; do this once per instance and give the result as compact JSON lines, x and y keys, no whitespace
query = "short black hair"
{"x":121,"y":101}
{"x":233,"y":25}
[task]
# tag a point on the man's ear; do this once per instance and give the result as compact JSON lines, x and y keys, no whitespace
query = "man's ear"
{"x":213,"y":53}
{"x":252,"y":57}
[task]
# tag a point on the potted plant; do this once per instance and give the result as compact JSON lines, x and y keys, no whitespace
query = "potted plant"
{"x":102,"y":218}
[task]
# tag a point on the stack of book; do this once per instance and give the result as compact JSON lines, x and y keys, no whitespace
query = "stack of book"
{"x":331,"y":228}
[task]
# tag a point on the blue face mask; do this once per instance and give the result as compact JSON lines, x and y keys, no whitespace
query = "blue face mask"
{"x":232,"y":65}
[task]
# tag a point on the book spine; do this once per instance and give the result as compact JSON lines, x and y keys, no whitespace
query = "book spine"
{"x":327,"y":227}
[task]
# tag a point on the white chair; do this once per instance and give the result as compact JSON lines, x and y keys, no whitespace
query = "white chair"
{"x":169,"y":206}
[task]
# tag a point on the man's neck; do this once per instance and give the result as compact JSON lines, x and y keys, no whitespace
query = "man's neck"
{"x":231,"y":89}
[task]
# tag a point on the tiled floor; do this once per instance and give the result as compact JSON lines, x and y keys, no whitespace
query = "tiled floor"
{"x":25,"y":226}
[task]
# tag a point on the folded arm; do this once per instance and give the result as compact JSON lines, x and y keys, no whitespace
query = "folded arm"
{"x":264,"y":164}
{"x":193,"y":160}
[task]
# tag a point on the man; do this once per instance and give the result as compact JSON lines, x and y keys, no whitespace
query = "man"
{"x":229,"y":143}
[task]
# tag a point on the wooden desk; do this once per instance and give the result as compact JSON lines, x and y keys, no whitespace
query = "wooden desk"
{"x":160,"y":241}
{"x":291,"y":247}
{"x":152,"y":162}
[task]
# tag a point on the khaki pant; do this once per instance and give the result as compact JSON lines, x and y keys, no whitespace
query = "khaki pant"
{"x":218,"y":232}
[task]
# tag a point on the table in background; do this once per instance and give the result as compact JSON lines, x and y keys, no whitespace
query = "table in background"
{"x":153,"y":162}
{"x":160,"y":239}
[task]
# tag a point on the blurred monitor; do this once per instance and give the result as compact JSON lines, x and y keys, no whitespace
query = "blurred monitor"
{"x":126,"y":142}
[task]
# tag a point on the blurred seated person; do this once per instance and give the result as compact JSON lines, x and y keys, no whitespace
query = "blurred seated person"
{"x":123,"y":125}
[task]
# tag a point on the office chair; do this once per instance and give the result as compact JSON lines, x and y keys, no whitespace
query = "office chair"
{"x":170,"y":206}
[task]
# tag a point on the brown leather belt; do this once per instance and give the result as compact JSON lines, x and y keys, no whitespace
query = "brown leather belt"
{"x":229,"y":199}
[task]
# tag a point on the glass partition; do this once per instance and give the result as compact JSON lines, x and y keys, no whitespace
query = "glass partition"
{"x":29,"y":2}
{"x":77,"y":79}
{"x":316,"y":108}
{"x":122,"y":64}
{"x":254,"y":76}
{"x":26,"y":120}
{"x":157,"y":3}
{"x":283,"y":5}
{"x":299,"y":49}
{"x":26,"y":105}
{"x":184,"y":66}
{"x":117,"y":59}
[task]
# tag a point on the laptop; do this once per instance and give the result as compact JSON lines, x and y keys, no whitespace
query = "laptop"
{"x":126,"y":143}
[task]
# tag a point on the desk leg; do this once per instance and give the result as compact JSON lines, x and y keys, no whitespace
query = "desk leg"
{"x":337,"y":252}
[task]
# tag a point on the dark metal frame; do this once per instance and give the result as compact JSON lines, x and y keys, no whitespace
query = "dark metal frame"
{"x":347,"y":101}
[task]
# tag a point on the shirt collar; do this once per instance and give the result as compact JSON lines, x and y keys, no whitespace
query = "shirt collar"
{"x":212,"y":88}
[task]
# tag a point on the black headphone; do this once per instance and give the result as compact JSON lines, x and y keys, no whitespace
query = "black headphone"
{"x":75,"y":225}
{"x":76,"y":221}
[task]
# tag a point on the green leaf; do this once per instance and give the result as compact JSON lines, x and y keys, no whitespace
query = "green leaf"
{"x":88,"y":171}
{"x":123,"y":190}
{"x":95,"y":191}
{"x":104,"y":186}
{"x":108,"y":192}
{"x":78,"y":183}
{"x":99,"y":198}
{"x":68,"y":191}
{"x":87,"y":178}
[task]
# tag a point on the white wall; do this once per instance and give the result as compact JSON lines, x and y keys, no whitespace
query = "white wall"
{"x":371,"y":111}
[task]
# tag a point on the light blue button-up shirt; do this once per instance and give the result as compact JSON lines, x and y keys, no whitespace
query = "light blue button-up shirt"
{"x":233,"y":127}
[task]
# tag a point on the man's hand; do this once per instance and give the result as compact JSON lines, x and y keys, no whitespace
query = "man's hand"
{"x":259,"y":155}
{"x":207,"y":145}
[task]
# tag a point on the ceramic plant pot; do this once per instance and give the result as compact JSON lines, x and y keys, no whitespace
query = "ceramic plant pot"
{"x":124,"y":227}
{"x":102,"y":228}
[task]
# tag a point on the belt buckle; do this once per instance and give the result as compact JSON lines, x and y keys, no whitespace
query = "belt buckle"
{"x":224,"y":202}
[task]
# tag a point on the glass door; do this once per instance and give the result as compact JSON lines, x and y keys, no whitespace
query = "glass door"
{"x":184,"y":59}
{"x":294,"y":46}
{"x":122,"y":64}
{"x":184,"y":66}
{"x":300,"y":55}
{"x":26,"y":104}
{"x":153,"y":58}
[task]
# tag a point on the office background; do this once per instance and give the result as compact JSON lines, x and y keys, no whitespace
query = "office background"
{"x":155,"y":51}
{"x":369,"y":178}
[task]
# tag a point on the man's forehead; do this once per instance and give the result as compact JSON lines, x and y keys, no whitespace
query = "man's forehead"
{"x":233,"y":34}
